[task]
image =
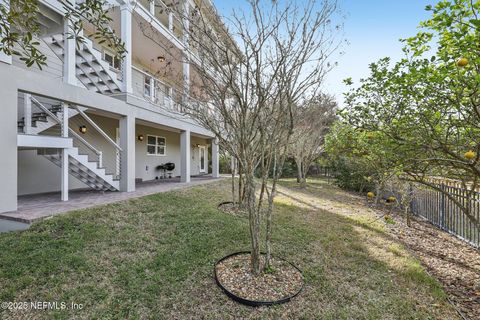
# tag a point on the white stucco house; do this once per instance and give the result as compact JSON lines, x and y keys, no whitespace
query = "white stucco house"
{"x":88,"y":120}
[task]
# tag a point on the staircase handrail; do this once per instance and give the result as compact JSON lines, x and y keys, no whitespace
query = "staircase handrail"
{"x":45,"y":109}
{"x":93,"y":124}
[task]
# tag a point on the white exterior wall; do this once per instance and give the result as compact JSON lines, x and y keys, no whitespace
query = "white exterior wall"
{"x":24,"y":172}
{"x":146,"y":164}
{"x":37,"y":174}
{"x":54,"y":67}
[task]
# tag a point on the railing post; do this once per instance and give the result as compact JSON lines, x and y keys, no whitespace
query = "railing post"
{"x":412,"y":199}
{"x":65,"y":163}
{"x":100,"y":159}
{"x":152,"y":7}
{"x":27,"y":113}
{"x":170,"y":20}
{"x":442,"y":207}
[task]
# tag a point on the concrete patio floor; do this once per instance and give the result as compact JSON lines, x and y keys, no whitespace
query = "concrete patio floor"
{"x":32,"y":208}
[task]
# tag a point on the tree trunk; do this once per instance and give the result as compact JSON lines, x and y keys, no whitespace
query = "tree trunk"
{"x":233,"y":181}
{"x":254,"y":219}
{"x":299,"y":171}
{"x":303,"y":178}
{"x":240,"y":184}
{"x":377,"y":193}
{"x":268,"y":238}
{"x":409,"y":218}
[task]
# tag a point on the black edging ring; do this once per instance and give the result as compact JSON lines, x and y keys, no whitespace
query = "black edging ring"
{"x":225,"y":202}
{"x":254,"y":303}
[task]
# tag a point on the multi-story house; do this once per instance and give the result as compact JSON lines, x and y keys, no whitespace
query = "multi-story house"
{"x":90,"y":120}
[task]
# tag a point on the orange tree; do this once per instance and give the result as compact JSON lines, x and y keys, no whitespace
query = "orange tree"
{"x":362,"y":160}
{"x":427,"y":106}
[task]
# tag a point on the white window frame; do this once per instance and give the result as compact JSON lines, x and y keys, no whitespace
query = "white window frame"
{"x":114,"y":59}
{"x":156,"y":145}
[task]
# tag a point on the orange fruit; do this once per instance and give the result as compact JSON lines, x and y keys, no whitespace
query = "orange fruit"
{"x":370,"y":194}
{"x":470,"y":155}
{"x":391,"y":199}
{"x":462,"y":62}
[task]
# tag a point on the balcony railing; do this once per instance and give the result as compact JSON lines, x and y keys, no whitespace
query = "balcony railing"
{"x":165,"y":15}
{"x":155,"y":91}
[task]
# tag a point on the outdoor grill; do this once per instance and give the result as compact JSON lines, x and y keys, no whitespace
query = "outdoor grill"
{"x":166,"y":169}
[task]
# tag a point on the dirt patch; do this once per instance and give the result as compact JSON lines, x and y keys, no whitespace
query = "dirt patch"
{"x":232,"y":208}
{"x":282,"y":281}
{"x":452,"y":261}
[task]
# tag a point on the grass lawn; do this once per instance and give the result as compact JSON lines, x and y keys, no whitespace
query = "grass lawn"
{"x":153,"y":257}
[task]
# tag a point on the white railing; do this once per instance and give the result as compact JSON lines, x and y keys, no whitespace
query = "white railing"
{"x":117,"y":149}
{"x":164,"y":15}
{"x":155,"y":91}
{"x":111,"y":163}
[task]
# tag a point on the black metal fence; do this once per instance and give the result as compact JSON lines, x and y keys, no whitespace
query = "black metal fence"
{"x":442,"y":211}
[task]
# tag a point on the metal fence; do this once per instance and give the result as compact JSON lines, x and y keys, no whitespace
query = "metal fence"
{"x":440,"y":210}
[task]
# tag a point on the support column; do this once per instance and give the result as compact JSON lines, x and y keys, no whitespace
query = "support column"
{"x":186,"y":55}
{"x":127,"y":155}
{"x":65,"y":163}
{"x":170,"y":21}
{"x":215,"y":159}
{"x":8,"y":142}
{"x":126,"y":36}
{"x":185,"y":156}
{"x":27,"y":113}
{"x":6,"y":58}
{"x":186,"y":77}
{"x":69,"y":67}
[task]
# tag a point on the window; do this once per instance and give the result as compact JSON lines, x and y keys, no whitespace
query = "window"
{"x":156,"y":145}
{"x":147,"y":88}
{"x":112,"y":60}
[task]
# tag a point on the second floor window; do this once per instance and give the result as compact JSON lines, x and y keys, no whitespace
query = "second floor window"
{"x":147,"y":88}
{"x":112,"y":60}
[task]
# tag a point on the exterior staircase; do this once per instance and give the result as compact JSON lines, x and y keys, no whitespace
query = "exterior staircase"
{"x":84,"y":170}
{"x":89,"y":172}
{"x":92,"y":71}
{"x":41,"y":121}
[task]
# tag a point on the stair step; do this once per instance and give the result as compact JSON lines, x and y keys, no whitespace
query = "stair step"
{"x":91,"y":69}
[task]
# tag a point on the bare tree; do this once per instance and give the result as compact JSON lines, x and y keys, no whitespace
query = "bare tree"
{"x":245,"y":82}
{"x":312,"y":121}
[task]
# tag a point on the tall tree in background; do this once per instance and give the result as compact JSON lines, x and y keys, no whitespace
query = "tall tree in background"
{"x":311,"y":123}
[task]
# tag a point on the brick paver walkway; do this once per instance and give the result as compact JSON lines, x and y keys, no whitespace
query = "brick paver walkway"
{"x":41,"y":206}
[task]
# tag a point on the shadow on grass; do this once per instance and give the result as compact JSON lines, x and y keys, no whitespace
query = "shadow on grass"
{"x":154,"y":256}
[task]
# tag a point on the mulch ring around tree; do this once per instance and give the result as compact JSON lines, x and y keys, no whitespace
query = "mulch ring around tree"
{"x":232,"y":208}
{"x":278,"y":285}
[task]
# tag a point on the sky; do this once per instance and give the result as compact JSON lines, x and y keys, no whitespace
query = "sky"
{"x":372,"y":29}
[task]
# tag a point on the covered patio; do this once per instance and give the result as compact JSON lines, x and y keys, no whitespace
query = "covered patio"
{"x":36,"y":207}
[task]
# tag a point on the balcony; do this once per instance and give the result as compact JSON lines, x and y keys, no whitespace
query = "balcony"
{"x":155,"y":91}
{"x":161,"y":11}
